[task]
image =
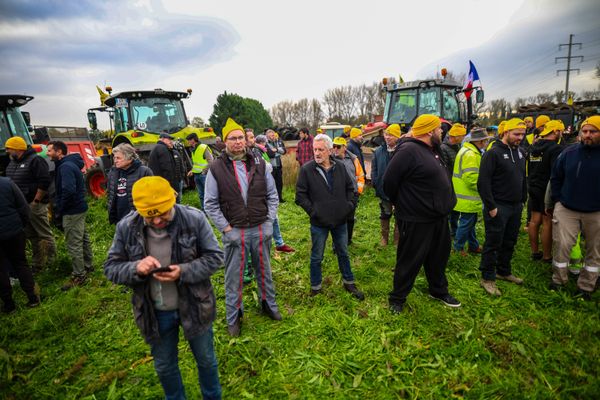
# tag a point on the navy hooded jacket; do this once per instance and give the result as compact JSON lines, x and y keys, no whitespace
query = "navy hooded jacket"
{"x":70,"y":188}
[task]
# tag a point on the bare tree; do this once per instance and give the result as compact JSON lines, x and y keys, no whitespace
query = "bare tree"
{"x":316,"y":115}
{"x":301,"y":113}
{"x":282,"y":113}
{"x":341,"y":103}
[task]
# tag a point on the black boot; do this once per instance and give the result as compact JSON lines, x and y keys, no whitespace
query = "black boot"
{"x":351,"y":287}
{"x":9,"y":306}
{"x":275,"y":315}
{"x":236,"y":329}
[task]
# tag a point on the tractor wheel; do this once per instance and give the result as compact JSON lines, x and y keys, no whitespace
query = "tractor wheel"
{"x":95,"y":181}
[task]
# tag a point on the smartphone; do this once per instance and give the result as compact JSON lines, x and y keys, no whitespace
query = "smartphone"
{"x":161,"y":269}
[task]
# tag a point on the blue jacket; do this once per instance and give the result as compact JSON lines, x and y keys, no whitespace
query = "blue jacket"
{"x":355,"y":148}
{"x":70,"y":188}
{"x":14,"y":210}
{"x":575,"y":179}
{"x":381,"y":159}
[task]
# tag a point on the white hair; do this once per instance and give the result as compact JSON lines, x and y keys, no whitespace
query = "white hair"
{"x":127,"y":150}
{"x":321,"y":137}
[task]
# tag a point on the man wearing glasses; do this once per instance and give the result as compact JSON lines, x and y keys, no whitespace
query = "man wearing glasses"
{"x":241,"y":200}
{"x":575,"y":186}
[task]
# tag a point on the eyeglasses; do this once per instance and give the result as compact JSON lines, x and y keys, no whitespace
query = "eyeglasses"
{"x":337,"y":146}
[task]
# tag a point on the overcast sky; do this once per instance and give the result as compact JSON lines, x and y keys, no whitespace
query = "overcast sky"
{"x":58,"y":51}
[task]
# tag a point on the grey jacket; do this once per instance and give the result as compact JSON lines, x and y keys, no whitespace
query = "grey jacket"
{"x":195,"y":249}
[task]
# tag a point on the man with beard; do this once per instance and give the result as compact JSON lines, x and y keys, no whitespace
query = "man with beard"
{"x":417,"y":183}
{"x":502,"y":186}
{"x":165,"y":161}
{"x":241,"y":200}
{"x":575,"y":185}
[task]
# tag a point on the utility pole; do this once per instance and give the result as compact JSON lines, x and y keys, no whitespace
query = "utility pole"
{"x":568,"y":58}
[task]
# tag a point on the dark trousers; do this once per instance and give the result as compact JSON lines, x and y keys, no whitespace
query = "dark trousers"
{"x":501,"y":233}
{"x":426,"y":244}
{"x":350,"y":223}
{"x":453,"y":218}
{"x":12,"y":251}
{"x":278,"y":177}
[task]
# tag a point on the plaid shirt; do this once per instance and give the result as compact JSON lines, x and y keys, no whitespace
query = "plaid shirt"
{"x":304,"y":151}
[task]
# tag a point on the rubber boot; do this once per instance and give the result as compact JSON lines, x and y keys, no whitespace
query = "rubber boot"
{"x":396,"y":235}
{"x":385,"y":232}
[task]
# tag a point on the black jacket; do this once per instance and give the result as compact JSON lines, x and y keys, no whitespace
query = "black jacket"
{"x":381,"y":159}
{"x":30,"y":173}
{"x":70,"y":188}
{"x":327,"y":205}
{"x":449,"y":152}
{"x":542,"y":156}
{"x":14,"y":209}
{"x":131,"y":175}
{"x":417,"y":183}
{"x":162,"y":162}
{"x":502,"y":176}
{"x":356,"y":148}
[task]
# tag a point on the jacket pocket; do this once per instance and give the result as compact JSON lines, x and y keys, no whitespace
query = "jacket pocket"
{"x":187,"y":248}
{"x":203,"y":302}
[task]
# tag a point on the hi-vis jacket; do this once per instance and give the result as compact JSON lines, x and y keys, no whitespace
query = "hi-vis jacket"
{"x":200,"y":162}
{"x":464,"y":179}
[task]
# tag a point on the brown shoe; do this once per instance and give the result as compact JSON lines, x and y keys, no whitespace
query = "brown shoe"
{"x":510,"y":278}
{"x":477,"y":250}
{"x":236,"y":328}
{"x":273,"y":314}
{"x":351,"y":288}
{"x":74,"y":281}
{"x":490,"y":287}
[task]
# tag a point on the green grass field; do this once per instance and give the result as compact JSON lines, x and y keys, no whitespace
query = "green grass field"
{"x":529,"y":343}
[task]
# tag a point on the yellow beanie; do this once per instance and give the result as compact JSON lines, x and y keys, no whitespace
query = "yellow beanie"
{"x":552,"y":126}
{"x":319,"y":130}
{"x":528,"y":119}
{"x":425,"y":123}
{"x":457,"y":130}
{"x":562,"y":125}
{"x":16,"y":143}
{"x":394,"y":130}
{"x":514,"y":123}
{"x":339,"y":141}
{"x":355,"y":132}
{"x":501,"y":126}
{"x":152,"y":196}
{"x":594,"y":120}
{"x":347,"y":128}
{"x":541,"y":120}
{"x":231,"y":126}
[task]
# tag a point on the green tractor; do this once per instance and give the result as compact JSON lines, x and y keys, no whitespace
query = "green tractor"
{"x":445,"y":98}
{"x":14,"y":122}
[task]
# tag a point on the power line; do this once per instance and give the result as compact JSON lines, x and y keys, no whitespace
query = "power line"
{"x":568,"y":58}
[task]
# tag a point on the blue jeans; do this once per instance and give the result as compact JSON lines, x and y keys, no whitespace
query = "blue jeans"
{"x":200,"y":181}
{"x":277,"y":233}
{"x":318,"y":235}
{"x":466,"y":232}
{"x":166,"y":360}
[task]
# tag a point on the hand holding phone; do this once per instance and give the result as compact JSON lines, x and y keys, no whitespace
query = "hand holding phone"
{"x":160,"y":269}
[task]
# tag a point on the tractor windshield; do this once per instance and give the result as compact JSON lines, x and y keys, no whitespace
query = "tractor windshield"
{"x":450,"y":103}
{"x":13,"y":124}
{"x":157,"y":114}
{"x":401,"y":107}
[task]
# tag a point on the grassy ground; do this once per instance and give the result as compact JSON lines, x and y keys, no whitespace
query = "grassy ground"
{"x":530,"y":343}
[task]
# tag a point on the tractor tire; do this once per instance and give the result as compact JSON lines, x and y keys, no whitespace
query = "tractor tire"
{"x":95,"y":182}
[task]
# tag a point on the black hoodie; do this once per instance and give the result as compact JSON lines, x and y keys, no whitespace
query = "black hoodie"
{"x":70,"y":188}
{"x":502,"y":176}
{"x":542,"y":155}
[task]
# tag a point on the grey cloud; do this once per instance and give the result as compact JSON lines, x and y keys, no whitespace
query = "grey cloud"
{"x":46,"y":9}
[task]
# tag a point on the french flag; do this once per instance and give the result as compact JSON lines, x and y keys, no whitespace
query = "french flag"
{"x":473,"y":76}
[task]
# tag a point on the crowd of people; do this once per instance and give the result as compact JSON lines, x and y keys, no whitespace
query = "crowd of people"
{"x":435,"y":187}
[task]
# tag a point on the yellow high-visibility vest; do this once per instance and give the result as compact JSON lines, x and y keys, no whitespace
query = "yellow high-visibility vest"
{"x":199,"y":162}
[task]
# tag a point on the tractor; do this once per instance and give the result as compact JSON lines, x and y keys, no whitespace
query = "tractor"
{"x":139,"y":117}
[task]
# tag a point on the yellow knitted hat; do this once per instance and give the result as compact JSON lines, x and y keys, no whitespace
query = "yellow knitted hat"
{"x":394,"y":130}
{"x":501,"y":126}
{"x":514,"y":123}
{"x":528,"y":119}
{"x":594,"y":120}
{"x":231,"y":126}
{"x":541,"y":120}
{"x":552,"y":126}
{"x":355,"y":132}
{"x":152,"y":196}
{"x":425,"y":123}
{"x":457,"y":130}
{"x":339,"y":141}
{"x":16,"y":143}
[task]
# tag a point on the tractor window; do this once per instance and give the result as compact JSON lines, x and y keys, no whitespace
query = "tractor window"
{"x":450,"y":106}
{"x":429,"y":101}
{"x":4,"y":130}
{"x":158,"y":115}
{"x":15,"y":121}
{"x":121,"y":120}
{"x":401,"y":106}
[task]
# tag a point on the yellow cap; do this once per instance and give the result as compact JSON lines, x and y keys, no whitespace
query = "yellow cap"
{"x":514,"y":123}
{"x":319,"y":130}
{"x":394,"y":130}
{"x":152,"y":196}
{"x":501,"y":126}
{"x":551,"y":126}
{"x":425,"y":123}
{"x":541,"y":120}
{"x":457,"y":130}
{"x":340,"y":141}
{"x":347,"y":128}
{"x":594,"y":120}
{"x":231,"y":126}
{"x":355,"y":132}
{"x":528,"y":119}
{"x":16,"y":143}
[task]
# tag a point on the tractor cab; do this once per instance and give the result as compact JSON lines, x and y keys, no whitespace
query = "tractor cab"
{"x":334,"y":129}
{"x":13,"y":122}
{"x":445,"y":98}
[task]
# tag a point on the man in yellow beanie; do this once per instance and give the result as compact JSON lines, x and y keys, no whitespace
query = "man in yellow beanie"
{"x":381,"y":158}
{"x":417,"y":183}
{"x":167,"y":253}
{"x":502,"y":186}
{"x":31,"y":174}
{"x":542,"y":156}
{"x":575,"y":188}
{"x":241,"y":200}
{"x":355,"y":145}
